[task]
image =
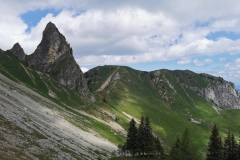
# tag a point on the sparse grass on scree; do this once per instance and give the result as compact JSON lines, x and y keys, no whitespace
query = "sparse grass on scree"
{"x":11,"y":67}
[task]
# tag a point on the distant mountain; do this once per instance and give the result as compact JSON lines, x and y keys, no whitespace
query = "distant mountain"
{"x":47,"y":103}
{"x":215,"y":90}
{"x":174,"y":100}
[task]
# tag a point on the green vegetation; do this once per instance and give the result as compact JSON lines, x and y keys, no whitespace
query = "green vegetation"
{"x":134,"y":95}
{"x":215,"y":145}
{"x":183,"y":149}
{"x":171,"y":105}
{"x":229,"y":150}
{"x":141,"y":143}
{"x":69,"y":100}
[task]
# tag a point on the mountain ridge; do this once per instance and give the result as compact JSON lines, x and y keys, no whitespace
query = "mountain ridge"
{"x":174,"y":100}
{"x":211,"y":91}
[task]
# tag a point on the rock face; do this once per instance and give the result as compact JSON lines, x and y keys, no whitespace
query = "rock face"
{"x":222,"y":93}
{"x":54,"y":56}
{"x":213,"y":89}
{"x":18,"y":51}
{"x":165,"y":89}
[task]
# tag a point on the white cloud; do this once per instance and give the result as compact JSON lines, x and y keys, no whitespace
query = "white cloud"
{"x":125,"y":32}
{"x":231,"y":71}
{"x":200,"y":63}
{"x":184,"y":60}
{"x":130,"y":35}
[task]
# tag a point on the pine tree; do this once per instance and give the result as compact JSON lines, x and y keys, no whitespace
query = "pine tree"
{"x":238,"y":150}
{"x":148,"y":137}
{"x":131,"y":144}
{"x":141,"y":138}
{"x":227,"y":147}
{"x":234,"y":145}
{"x":175,"y":153}
{"x":159,"y":149}
{"x":215,"y":146}
{"x":230,"y":147}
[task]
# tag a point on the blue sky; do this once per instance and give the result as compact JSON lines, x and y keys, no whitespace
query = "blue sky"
{"x":32,"y":18}
{"x":145,"y":36}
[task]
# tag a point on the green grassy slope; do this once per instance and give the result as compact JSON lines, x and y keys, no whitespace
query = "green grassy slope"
{"x":171,"y":106}
{"x":70,"y":100}
{"x":171,"y":110}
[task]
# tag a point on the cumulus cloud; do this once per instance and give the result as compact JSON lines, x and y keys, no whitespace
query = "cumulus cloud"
{"x":128,"y":32}
{"x":184,"y":60}
{"x":200,"y":63}
{"x":231,"y":71}
{"x":129,"y":35}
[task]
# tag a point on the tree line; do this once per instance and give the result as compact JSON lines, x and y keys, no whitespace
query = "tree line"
{"x":226,"y":149}
{"x":141,"y":143}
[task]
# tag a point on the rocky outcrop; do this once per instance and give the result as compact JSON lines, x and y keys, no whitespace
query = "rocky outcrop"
{"x":52,"y":46}
{"x":54,"y":56}
{"x":165,"y":89}
{"x":213,"y":89}
{"x":18,"y":51}
{"x":222,"y":93}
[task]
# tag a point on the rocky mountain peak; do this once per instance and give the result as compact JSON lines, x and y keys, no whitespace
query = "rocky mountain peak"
{"x":52,"y":46}
{"x":51,"y":26}
{"x":54,"y":57}
{"x":18,"y":51}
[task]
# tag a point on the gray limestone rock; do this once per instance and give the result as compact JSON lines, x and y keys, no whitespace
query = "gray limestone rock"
{"x":18,"y":51}
{"x":54,"y":56}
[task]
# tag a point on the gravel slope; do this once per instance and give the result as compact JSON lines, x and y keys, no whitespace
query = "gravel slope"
{"x":32,"y":127}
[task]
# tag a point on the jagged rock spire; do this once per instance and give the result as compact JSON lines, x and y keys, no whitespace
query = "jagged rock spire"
{"x":54,"y":57}
{"x":18,"y":51}
{"x":52,"y":46}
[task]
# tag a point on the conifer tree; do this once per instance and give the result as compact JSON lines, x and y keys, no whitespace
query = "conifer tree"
{"x":227,"y":147}
{"x":175,"y":153}
{"x":141,"y":138}
{"x":230,"y":147}
{"x":238,"y":150}
{"x":234,"y":148}
{"x":131,"y":144}
{"x":148,"y":137}
{"x":142,"y":141}
{"x":159,"y":149}
{"x":215,"y":145}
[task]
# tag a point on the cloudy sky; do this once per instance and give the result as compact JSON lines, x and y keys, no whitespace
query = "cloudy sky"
{"x":200,"y":35}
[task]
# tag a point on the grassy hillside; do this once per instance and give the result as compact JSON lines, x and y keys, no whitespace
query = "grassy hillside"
{"x":69,"y":100}
{"x":123,"y":93}
{"x":170,"y":106}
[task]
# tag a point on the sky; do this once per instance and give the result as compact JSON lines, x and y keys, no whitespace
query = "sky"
{"x":199,"y":35}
